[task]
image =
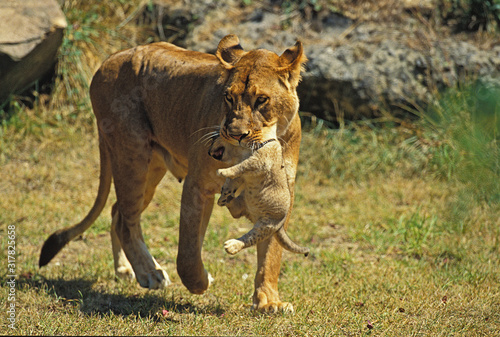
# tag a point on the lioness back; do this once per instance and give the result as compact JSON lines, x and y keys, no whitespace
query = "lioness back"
{"x":151,"y":81}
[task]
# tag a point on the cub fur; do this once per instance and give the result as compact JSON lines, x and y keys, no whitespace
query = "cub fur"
{"x":258,"y":175}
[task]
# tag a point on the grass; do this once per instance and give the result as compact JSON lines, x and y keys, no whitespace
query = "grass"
{"x":402,"y":220}
{"x":387,"y":257}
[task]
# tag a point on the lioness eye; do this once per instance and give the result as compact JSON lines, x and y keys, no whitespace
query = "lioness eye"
{"x":261,"y":100}
{"x":228,"y":98}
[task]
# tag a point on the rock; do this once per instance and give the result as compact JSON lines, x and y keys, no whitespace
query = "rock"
{"x":359,"y":79}
{"x":31,"y":32}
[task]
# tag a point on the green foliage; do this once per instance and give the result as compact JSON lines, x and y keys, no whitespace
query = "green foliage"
{"x":8,"y":111}
{"x":466,"y":120}
{"x":79,"y":34}
{"x":81,"y":48}
{"x":472,"y":14}
{"x":414,"y":231}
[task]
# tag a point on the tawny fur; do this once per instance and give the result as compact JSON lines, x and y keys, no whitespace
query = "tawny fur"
{"x":157,"y":107}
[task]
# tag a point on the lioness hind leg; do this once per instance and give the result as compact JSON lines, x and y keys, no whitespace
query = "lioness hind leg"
{"x":156,"y":171}
{"x":123,"y":268}
{"x":133,"y":170}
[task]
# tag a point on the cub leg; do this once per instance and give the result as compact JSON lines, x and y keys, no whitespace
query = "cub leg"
{"x":262,"y":230}
{"x":250,"y":164}
{"x":237,"y":206}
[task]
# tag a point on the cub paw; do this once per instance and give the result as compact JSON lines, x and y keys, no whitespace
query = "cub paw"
{"x":233,"y":246}
{"x":225,"y":198}
{"x":221,"y":172}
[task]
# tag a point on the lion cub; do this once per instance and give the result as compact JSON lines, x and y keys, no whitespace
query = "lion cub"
{"x":259,"y":174}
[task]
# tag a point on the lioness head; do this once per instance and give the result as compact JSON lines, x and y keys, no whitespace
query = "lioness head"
{"x":260,"y":97}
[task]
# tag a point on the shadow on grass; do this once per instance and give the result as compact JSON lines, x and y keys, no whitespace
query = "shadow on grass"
{"x":96,"y":302}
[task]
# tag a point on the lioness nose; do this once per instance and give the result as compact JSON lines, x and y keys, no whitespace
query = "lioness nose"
{"x":239,"y":137}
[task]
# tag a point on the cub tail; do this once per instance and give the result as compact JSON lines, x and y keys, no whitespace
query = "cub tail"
{"x":287,"y":243}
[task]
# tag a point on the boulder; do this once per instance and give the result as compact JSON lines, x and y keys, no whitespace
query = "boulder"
{"x":31,"y":32}
{"x":397,"y":73}
{"x":357,"y":68}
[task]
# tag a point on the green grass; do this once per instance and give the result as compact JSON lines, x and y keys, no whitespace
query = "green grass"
{"x":402,"y":220}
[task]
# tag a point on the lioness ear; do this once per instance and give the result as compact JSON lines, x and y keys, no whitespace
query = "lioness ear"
{"x":292,"y":62}
{"x":229,"y":51}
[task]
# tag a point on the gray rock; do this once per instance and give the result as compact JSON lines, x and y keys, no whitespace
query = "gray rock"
{"x":31,"y":32}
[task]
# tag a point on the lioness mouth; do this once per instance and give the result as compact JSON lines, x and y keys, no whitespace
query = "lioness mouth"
{"x":217,"y":153}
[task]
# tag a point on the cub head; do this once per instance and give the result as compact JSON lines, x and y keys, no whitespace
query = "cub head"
{"x":260,"y":97}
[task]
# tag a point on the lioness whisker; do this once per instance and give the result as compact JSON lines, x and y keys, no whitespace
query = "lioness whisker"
{"x":205,"y":139}
{"x":283,"y":142}
{"x":287,"y":120}
{"x":215,"y":127}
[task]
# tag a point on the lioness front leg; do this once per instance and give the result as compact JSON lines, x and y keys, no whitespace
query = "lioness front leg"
{"x":269,"y":252}
{"x":196,"y":207}
{"x":266,"y":295}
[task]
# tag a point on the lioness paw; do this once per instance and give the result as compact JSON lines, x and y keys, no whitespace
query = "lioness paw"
{"x":155,"y":279}
{"x":274,"y":307}
{"x":233,"y":246}
{"x":125,"y":273}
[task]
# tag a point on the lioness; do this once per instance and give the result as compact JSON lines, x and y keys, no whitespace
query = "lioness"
{"x":259,"y":172}
{"x":156,"y":106}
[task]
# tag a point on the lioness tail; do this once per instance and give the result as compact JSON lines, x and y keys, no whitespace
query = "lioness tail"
{"x":61,"y":237}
